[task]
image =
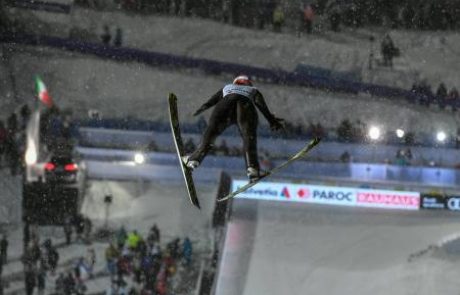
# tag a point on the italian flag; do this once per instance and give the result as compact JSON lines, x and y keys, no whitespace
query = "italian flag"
{"x":42,"y":93}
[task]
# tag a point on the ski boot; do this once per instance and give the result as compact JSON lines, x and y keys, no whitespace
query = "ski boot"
{"x":255,"y":174}
{"x":190,"y":164}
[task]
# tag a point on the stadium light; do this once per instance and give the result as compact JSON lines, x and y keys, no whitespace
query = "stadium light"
{"x":374,"y":133}
{"x":31,"y":154}
{"x":441,"y":136}
{"x":139,"y":158}
{"x":400,"y":133}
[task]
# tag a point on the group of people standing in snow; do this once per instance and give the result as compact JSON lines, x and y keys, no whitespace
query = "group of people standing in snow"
{"x":150,"y":265}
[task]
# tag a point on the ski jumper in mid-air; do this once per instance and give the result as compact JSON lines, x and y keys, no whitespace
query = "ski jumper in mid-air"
{"x":235,"y":104}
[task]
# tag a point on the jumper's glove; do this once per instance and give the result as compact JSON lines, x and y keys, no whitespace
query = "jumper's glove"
{"x":276,"y":124}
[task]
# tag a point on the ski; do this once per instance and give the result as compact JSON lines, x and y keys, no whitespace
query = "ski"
{"x":177,"y":137}
{"x":300,"y":154}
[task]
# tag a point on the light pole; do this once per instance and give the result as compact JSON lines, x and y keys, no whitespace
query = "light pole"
{"x":374,"y":135}
{"x":139,"y":159}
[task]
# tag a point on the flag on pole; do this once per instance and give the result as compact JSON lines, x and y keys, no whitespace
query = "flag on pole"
{"x":42,"y":93}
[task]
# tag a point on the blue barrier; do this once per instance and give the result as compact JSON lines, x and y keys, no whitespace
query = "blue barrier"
{"x":214,"y":67}
{"x":41,"y":6}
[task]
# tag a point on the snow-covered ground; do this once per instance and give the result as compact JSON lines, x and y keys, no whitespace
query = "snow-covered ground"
{"x":292,"y":248}
{"x":430,"y":55}
{"x":132,"y":89}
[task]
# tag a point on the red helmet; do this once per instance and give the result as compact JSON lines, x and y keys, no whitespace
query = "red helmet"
{"x":242,"y":80}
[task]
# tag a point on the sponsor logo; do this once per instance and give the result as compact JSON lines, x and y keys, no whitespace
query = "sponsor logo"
{"x":453,"y":204}
{"x":303,"y":193}
{"x":388,"y":199}
{"x":332,"y":195}
{"x":262,"y":192}
{"x":285,"y":193}
{"x":432,"y":203}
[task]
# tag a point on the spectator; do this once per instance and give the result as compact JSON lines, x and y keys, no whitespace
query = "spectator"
{"x":187,"y":251}
{"x":388,"y":50}
{"x":308,"y":17}
{"x":345,"y":131}
{"x":90,"y":261}
{"x":106,"y":36}
{"x":335,"y":18}
{"x":88,"y":226}
{"x":154,"y":235}
{"x":12,"y":124}
{"x":345,"y":157}
{"x":69,"y":284}
{"x":401,"y":159}
{"x":173,"y":248}
{"x":441,"y":95}
{"x":3,"y":140}
{"x":53,"y":258}
{"x":133,"y":240}
{"x":79,"y":224}
{"x":4,"y":249}
{"x":68,"y":229}
{"x":453,"y":94}
{"x":41,"y":278}
{"x":30,"y":279}
{"x":111,"y":257}
{"x":278,"y":18}
{"x":121,"y":237}
{"x":118,"y":40}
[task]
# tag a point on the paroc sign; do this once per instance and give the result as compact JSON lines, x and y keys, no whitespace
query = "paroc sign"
{"x":330,"y":195}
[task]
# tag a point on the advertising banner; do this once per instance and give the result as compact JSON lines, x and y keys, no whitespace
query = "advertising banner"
{"x":433,"y":202}
{"x":453,"y":203}
{"x":330,"y":195}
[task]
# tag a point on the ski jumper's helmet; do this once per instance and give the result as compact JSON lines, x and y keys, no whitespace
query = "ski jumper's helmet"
{"x":242,"y":80}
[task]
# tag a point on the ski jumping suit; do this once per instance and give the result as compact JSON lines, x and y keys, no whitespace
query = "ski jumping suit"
{"x":234,"y":104}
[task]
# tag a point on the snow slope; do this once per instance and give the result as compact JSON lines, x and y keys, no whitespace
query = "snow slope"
{"x":288,"y":248}
{"x":139,"y":205}
{"x":430,"y":55}
{"x":132,"y":89}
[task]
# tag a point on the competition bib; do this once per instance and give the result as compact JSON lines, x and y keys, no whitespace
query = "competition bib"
{"x":246,"y":91}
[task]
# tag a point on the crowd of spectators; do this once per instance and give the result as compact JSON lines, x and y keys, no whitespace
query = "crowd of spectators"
{"x":41,"y":261}
{"x":300,"y":15}
{"x":143,"y":261}
{"x":442,"y":97}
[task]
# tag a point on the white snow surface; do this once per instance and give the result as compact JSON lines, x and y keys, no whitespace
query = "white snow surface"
{"x":424,"y":54}
{"x":132,"y":89}
{"x":137,"y":205}
{"x":287,"y":248}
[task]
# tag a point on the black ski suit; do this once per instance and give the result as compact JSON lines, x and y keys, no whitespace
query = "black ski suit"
{"x":235,"y":104}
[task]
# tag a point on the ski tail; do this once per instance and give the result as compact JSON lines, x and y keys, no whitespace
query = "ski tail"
{"x":300,"y":154}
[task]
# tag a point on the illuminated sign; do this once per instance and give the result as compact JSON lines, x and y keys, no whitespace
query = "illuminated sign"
{"x":342,"y":196}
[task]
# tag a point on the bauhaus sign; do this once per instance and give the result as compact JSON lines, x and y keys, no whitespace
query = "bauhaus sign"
{"x":343,"y":196}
